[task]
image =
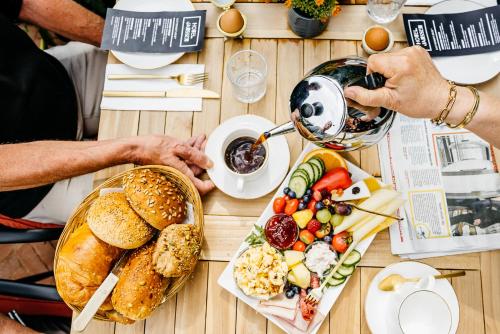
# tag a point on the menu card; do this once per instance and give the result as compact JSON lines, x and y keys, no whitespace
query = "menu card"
{"x":458,"y":34}
{"x":154,"y":32}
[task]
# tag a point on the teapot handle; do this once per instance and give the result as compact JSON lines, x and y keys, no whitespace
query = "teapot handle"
{"x":371,"y":81}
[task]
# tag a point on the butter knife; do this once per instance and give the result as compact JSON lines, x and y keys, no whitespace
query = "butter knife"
{"x":99,"y":296}
{"x":178,"y":92}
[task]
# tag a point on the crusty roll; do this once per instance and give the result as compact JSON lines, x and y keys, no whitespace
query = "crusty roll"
{"x":140,"y":289}
{"x":154,"y":198}
{"x":117,"y":317}
{"x":177,"y":250}
{"x":84,"y":262}
{"x":112,"y":220}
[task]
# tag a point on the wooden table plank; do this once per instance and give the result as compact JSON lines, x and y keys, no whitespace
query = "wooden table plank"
{"x":367,"y":275}
{"x":345,"y":315}
{"x":269,"y":20}
{"x":136,"y":327}
{"x":249,"y":321}
{"x":163,"y":318}
{"x":470,"y":301}
{"x":192,"y":303}
{"x":221,"y":305}
{"x":490,"y":273}
{"x":96,"y":326}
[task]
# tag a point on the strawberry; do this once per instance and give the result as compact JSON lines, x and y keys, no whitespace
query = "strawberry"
{"x":313,"y":226}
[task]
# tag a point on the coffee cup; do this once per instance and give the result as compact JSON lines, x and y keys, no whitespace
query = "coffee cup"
{"x":424,"y":311}
{"x":242,"y":178}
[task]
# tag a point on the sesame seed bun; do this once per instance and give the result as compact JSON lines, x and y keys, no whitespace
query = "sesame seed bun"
{"x":177,"y":250}
{"x":154,"y":198}
{"x":112,"y":220}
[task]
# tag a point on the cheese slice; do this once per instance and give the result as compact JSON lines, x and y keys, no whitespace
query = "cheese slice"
{"x":356,"y":191}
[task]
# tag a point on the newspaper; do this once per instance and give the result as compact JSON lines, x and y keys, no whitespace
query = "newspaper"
{"x":452,"y":186}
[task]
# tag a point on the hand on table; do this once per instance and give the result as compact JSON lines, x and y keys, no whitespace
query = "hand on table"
{"x":186,"y":156}
{"x":414,"y":87}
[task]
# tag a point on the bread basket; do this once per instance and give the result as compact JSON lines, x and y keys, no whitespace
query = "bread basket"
{"x":183,"y":183}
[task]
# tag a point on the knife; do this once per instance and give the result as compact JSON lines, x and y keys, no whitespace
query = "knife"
{"x":99,"y":296}
{"x":180,"y":92}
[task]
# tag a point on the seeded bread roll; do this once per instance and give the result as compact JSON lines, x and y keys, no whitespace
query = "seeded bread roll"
{"x":177,"y":250}
{"x":112,"y":220}
{"x":140,"y":289}
{"x":154,"y":198}
{"x":117,"y":317}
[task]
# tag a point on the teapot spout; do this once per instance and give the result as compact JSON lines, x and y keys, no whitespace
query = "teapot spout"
{"x":280,"y":130}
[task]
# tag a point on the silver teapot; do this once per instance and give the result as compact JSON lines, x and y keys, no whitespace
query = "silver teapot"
{"x":321,"y":114}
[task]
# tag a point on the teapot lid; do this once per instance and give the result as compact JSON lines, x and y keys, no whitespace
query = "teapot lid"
{"x":318,"y":108}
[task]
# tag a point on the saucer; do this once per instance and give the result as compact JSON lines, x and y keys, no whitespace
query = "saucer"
{"x":381,"y":307}
{"x":272,"y":176}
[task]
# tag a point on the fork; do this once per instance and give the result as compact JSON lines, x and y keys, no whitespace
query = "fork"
{"x":315,"y":294}
{"x":183,"y":79}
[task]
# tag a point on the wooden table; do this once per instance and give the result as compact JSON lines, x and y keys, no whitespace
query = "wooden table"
{"x":203,"y":306}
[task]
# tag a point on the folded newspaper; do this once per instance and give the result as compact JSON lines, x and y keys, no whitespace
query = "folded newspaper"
{"x":452,"y":184}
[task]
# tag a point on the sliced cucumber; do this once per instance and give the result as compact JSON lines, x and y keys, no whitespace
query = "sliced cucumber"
{"x":299,"y":185}
{"x":321,"y":162}
{"x":318,"y":162}
{"x":301,"y":172}
{"x":345,"y":271}
{"x":334,"y":281}
{"x":309,"y":170}
{"x":337,"y":276}
{"x":317,"y":171}
{"x":352,"y":259}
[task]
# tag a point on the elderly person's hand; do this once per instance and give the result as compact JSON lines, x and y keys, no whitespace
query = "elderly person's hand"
{"x":414,"y":87}
{"x":186,"y":156}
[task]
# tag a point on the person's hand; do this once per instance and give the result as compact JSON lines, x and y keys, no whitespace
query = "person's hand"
{"x":185,"y":156}
{"x":414,"y":87}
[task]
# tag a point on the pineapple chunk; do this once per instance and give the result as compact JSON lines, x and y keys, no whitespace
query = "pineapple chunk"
{"x":302,"y":276}
{"x":292,"y":258}
{"x":303,"y":217}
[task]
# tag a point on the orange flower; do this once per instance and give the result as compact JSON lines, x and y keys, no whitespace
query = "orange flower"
{"x":288,"y":3}
{"x":319,"y":2}
{"x":336,"y":10}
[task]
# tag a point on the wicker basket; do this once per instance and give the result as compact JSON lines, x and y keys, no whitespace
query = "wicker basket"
{"x":78,"y":218}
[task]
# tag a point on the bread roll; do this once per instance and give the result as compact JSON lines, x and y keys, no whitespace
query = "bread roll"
{"x":154,"y":198}
{"x":84,"y":262}
{"x":177,"y":250}
{"x":140,"y":289}
{"x":117,"y":317}
{"x":112,"y":220}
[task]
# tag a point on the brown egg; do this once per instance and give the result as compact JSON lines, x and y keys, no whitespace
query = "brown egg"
{"x":377,"y":38}
{"x":231,"y":21}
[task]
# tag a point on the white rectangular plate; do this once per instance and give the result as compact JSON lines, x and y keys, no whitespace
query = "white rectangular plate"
{"x":226,"y":279}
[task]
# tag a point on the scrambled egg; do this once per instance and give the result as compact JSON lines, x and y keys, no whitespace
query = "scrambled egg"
{"x":261,"y":271}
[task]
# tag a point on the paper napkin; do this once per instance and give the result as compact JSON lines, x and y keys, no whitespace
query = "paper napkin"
{"x":149,"y":103}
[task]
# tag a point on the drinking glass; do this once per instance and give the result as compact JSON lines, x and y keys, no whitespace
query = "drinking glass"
{"x":384,"y":11}
{"x":247,"y":71}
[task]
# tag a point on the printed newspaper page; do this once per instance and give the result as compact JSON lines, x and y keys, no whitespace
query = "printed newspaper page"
{"x":452,"y":186}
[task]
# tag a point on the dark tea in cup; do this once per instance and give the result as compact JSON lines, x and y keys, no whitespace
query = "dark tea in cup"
{"x":242,"y":158}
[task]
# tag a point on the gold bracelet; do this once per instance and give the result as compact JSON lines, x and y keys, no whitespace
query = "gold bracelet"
{"x":452,"y":96}
{"x":470,"y":115}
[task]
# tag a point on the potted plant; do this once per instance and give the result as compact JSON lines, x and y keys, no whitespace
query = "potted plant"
{"x":309,"y":18}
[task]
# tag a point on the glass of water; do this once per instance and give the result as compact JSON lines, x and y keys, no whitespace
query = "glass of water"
{"x":384,"y":11}
{"x":247,"y":71}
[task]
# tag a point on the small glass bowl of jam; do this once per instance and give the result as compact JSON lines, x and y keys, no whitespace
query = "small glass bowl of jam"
{"x":281,"y":231}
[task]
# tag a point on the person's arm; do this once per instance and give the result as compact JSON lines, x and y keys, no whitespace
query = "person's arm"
{"x":64,"y":17}
{"x":27,"y":165}
{"x":415,"y":88}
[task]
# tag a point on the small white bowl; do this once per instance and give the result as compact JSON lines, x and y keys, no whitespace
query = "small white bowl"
{"x":370,"y":50}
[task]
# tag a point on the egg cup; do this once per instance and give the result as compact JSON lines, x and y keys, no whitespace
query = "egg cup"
{"x":227,"y":35}
{"x":369,"y":50}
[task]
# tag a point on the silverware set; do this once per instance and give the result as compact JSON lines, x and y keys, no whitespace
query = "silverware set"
{"x":185,"y":79}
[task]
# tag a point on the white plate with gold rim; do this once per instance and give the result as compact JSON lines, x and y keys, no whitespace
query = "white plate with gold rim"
{"x":144,"y":60}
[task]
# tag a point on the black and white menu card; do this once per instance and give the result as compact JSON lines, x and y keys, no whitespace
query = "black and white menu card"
{"x":458,"y":34}
{"x":154,"y":32}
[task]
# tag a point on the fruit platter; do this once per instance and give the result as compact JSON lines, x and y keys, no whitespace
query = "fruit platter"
{"x":304,"y":247}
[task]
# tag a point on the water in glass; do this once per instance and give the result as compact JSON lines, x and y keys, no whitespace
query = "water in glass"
{"x":247,"y":71}
{"x":384,"y":11}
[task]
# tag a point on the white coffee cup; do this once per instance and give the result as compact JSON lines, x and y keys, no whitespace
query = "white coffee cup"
{"x":424,"y":311}
{"x":242,"y":178}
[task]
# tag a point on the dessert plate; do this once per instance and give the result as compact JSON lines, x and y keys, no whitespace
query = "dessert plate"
{"x":151,"y":60}
{"x":470,"y":69}
{"x":381,"y":308}
{"x":268,"y":180}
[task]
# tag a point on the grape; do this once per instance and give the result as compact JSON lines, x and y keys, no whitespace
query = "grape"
{"x":336,"y":220}
{"x":343,"y":209}
{"x":292,"y":194}
{"x":302,"y":206}
{"x":323,"y":216}
{"x":306,"y":198}
{"x":320,"y":206}
{"x":309,"y":192}
{"x":296,"y":289}
{"x":327,"y":239}
{"x":290,"y":293}
{"x":286,"y":191}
